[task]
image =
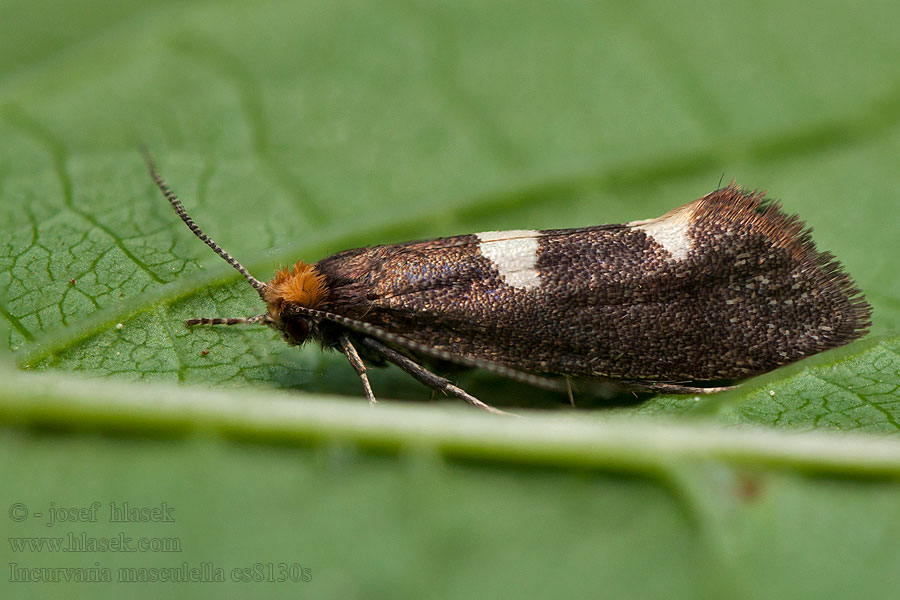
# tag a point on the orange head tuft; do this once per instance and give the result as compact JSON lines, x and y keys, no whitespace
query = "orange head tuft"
{"x":302,"y":285}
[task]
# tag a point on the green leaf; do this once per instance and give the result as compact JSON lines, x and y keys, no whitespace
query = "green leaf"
{"x":294,"y":130}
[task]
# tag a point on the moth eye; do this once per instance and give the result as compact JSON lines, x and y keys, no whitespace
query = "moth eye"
{"x":296,"y":330}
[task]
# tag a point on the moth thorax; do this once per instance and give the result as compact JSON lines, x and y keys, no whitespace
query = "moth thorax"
{"x":301,"y":285}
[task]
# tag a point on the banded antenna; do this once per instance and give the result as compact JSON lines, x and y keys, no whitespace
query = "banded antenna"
{"x":258,"y":285}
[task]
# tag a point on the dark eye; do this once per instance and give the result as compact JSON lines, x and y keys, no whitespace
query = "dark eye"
{"x":296,"y":330}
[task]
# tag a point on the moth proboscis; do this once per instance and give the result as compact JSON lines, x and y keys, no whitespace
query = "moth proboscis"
{"x":720,"y":289}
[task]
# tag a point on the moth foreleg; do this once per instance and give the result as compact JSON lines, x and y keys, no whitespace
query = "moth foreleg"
{"x":264,"y":319}
{"x":358,"y":365}
{"x":425,"y":376}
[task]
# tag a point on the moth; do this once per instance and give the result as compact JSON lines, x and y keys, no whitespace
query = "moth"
{"x":720,"y":289}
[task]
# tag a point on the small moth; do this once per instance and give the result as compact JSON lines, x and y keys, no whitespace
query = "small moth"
{"x":722,"y":288}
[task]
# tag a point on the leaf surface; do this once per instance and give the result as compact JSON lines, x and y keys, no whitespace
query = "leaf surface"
{"x":295,"y":130}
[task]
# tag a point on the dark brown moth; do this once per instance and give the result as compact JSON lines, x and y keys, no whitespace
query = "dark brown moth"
{"x":722,"y":288}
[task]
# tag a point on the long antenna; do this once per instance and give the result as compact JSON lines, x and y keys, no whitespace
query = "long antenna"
{"x":258,"y":285}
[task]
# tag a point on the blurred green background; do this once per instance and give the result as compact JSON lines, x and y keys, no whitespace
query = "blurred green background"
{"x":298,"y":129}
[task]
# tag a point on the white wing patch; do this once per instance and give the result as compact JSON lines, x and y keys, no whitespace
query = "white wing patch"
{"x":671,"y":231}
{"x":514,"y":254}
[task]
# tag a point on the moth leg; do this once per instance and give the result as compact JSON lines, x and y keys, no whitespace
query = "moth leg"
{"x":264,"y":319}
{"x":569,"y":390}
{"x":675,"y":388}
{"x":358,"y":365}
{"x":425,"y":376}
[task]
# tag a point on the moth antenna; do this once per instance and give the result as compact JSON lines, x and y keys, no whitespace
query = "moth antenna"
{"x":258,"y":285}
{"x":264,"y":319}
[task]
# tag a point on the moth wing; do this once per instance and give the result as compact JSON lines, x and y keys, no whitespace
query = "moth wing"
{"x":724,"y":287}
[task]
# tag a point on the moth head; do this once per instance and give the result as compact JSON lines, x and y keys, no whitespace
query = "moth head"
{"x":289,"y":295}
